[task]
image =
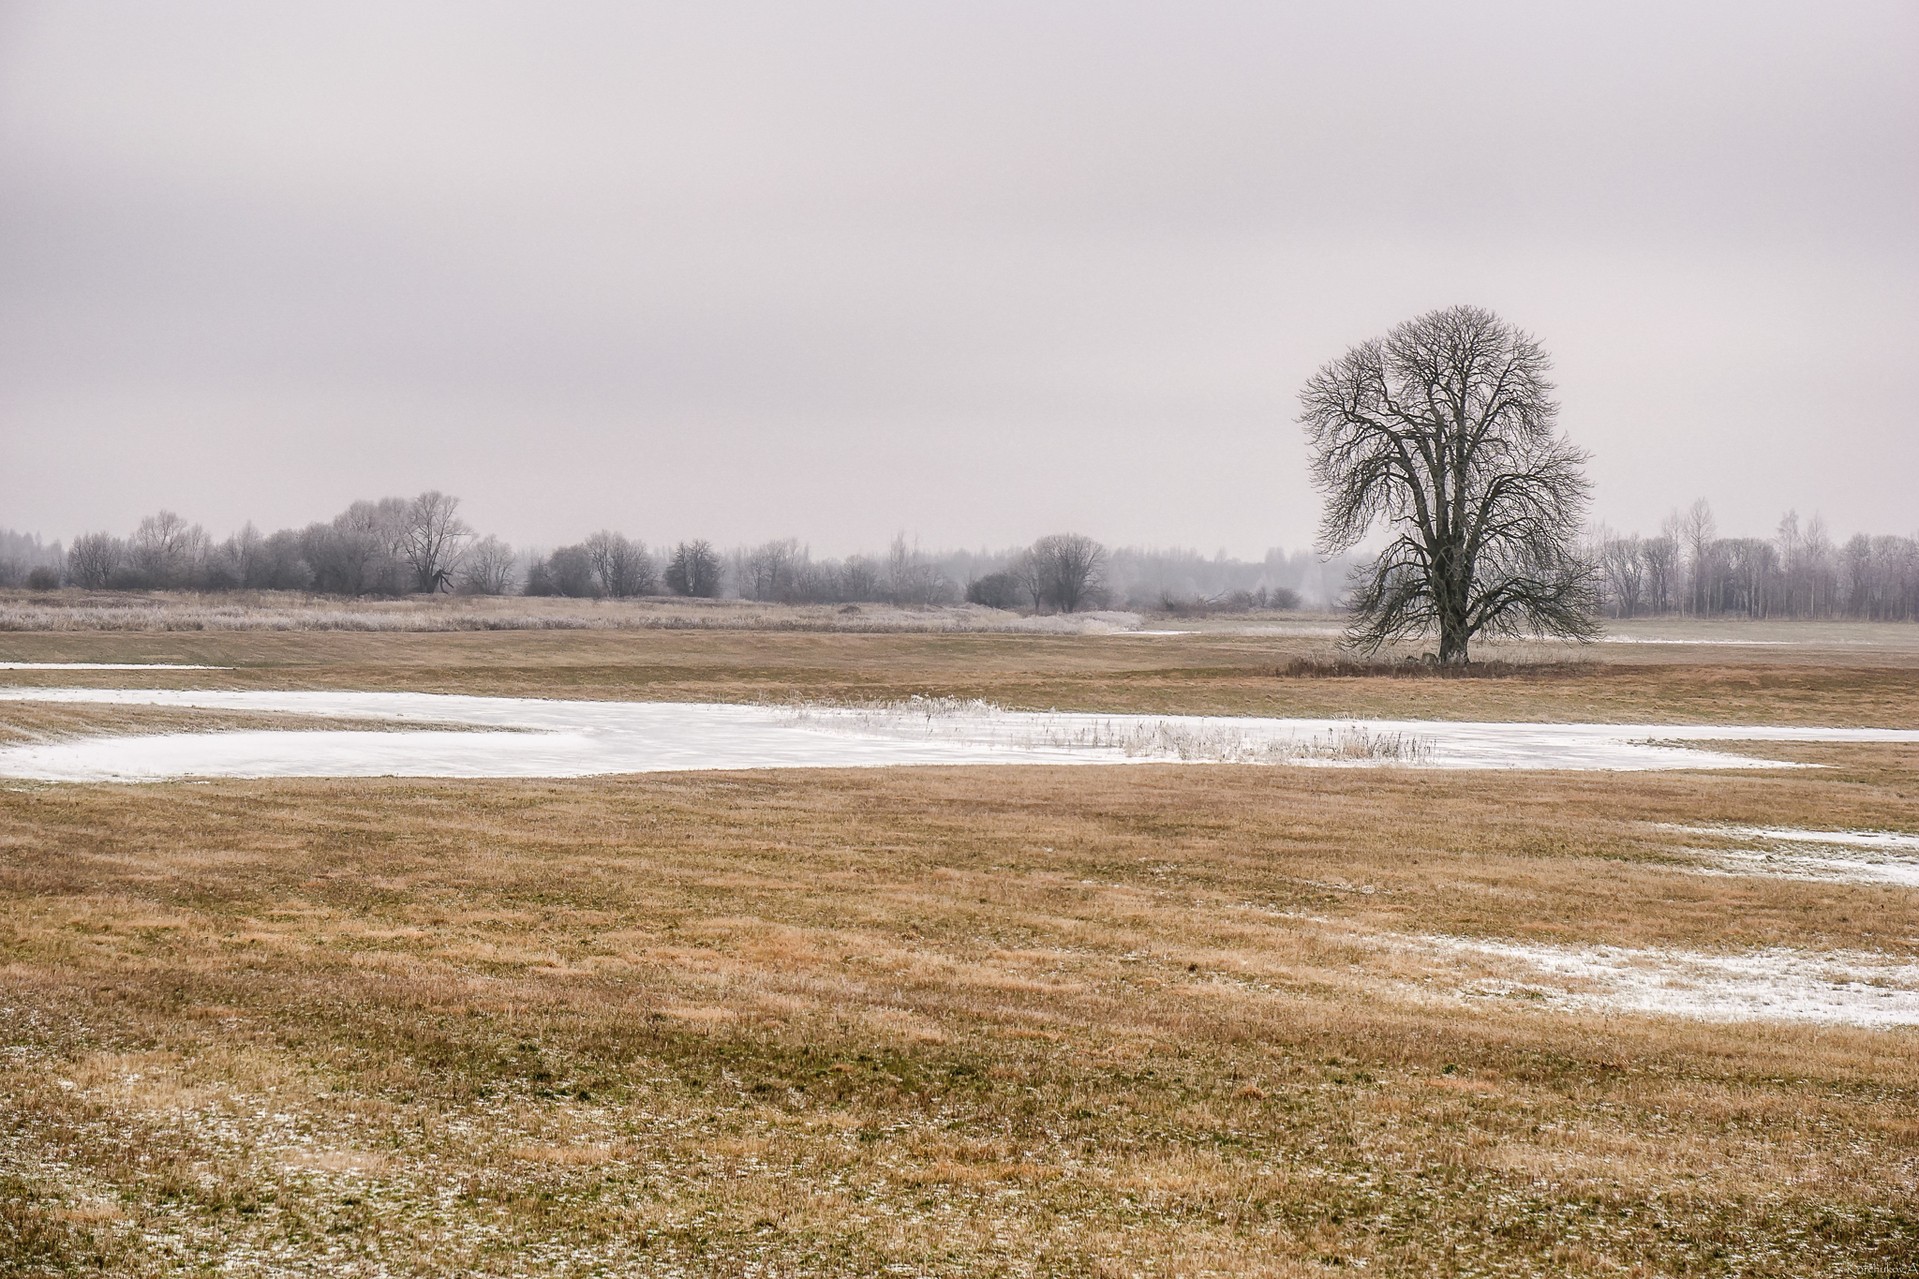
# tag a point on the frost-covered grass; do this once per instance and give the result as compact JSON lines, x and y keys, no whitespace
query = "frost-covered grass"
{"x":1186,"y":740}
{"x":1843,"y":856}
{"x":1846,"y":987}
{"x":269,"y":611}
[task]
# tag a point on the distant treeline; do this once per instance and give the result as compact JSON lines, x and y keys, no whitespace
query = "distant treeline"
{"x":1799,"y":572}
{"x":401,"y":546}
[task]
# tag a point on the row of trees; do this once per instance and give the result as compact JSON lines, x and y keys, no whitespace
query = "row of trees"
{"x":397,"y":546}
{"x":401,"y":545}
{"x":1800,"y":572}
{"x":390,"y":547}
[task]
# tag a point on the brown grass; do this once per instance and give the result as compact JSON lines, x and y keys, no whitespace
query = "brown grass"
{"x":1345,"y":667}
{"x":1109,"y":1021}
{"x":938,"y":1018}
{"x":1221,"y":674}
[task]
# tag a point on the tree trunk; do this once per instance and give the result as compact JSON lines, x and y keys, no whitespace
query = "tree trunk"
{"x":1453,"y":597}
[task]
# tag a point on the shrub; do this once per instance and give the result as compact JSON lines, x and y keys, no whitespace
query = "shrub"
{"x":996,"y":590}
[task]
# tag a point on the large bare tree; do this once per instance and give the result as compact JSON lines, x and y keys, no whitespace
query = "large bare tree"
{"x":93,"y":558}
{"x":1445,"y":431}
{"x":1068,"y":570}
{"x":489,"y":567}
{"x":166,"y":550}
{"x":430,"y":537}
{"x":694,"y":569}
{"x":622,"y":565}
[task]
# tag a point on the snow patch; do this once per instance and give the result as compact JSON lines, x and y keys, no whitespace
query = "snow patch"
{"x":1847,"y":987}
{"x":1705,"y":643}
{"x":1881,"y":857}
{"x":1884,"y":840}
{"x":551,"y":738}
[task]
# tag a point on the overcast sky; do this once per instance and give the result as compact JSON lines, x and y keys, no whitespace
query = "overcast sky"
{"x":974,"y":271}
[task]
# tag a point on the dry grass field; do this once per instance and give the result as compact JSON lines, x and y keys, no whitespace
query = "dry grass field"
{"x":1130,"y":1020}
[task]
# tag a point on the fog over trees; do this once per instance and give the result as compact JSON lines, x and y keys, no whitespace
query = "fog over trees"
{"x":1801,"y":571}
{"x":399,"y":546}
{"x":25,"y":560}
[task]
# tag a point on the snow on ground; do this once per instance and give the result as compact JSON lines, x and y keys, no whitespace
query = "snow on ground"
{"x":107,"y":666}
{"x":1726,"y":643}
{"x":550,"y":738}
{"x":1840,"y":856}
{"x":1841,"y":987}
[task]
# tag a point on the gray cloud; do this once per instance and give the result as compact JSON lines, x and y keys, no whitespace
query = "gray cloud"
{"x":976,"y":271}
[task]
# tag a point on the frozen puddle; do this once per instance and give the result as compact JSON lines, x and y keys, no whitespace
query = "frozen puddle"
{"x":1839,"y":856}
{"x":1852,"y":988}
{"x":546,"y":738}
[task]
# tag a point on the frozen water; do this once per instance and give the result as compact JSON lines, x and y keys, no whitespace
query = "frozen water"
{"x":550,"y":738}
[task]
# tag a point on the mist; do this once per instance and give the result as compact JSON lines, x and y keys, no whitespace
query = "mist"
{"x":977,"y":273}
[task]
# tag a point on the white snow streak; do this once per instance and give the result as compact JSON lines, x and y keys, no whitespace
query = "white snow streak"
{"x":548,"y":738}
{"x":1837,"y":856}
{"x":107,"y":666}
{"x":1841,"y":987}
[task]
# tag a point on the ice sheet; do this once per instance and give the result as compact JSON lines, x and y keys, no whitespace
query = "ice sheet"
{"x":552,"y":738}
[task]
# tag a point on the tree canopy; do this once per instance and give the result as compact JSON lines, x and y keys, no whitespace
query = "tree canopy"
{"x":1445,"y":431}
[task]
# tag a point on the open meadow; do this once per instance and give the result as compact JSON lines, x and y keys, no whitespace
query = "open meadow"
{"x":1146,"y":1018}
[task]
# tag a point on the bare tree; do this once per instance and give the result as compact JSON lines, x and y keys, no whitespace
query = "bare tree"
{"x":694,"y":569}
{"x":1069,"y":568}
{"x":996,"y":590}
{"x":279,"y":564}
{"x":860,"y":579}
{"x":429,"y":538}
{"x":1699,"y":532}
{"x":1445,"y":430}
{"x":93,"y":559}
{"x":353,"y":554}
{"x":489,"y":567}
{"x":768,"y":570}
{"x":1661,"y":557}
{"x":1622,"y":560}
{"x":567,"y":571}
{"x":167,"y":550}
{"x":622,"y":566}
{"x":911,"y":578}
{"x":1821,"y":564}
{"x":1030,"y":574}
